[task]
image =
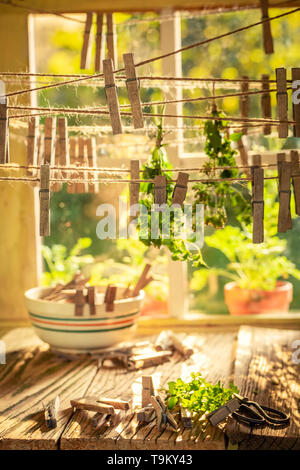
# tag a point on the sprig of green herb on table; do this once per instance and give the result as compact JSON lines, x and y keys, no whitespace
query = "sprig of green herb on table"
{"x":198,"y":395}
{"x":218,"y":148}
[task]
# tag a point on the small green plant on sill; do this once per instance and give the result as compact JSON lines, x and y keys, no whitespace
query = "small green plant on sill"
{"x":62,"y":266}
{"x":157,"y":165}
{"x":251,"y":266}
{"x":218,"y":148}
{"x":198,"y":395}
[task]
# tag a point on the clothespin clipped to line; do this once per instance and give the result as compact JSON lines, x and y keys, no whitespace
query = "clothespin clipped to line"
{"x":296,"y":179}
{"x":110,"y":41}
{"x":134,"y":187}
{"x":258,"y":204}
{"x":266,"y":103}
{"x":51,"y":413}
{"x":4,"y":130}
{"x":92,"y":162}
{"x":49,"y":140}
{"x":180,"y":189}
{"x":112,"y":97}
{"x":82,"y":161}
{"x":284,"y":175}
{"x":267,"y":34}
{"x":244,"y":103}
{"x":71,"y":188}
{"x":282,"y":102}
{"x":109,"y":298}
{"x":296,"y":107}
{"x":160,"y":189}
{"x":44,"y":194}
{"x":32,"y":144}
{"x":132,"y":84}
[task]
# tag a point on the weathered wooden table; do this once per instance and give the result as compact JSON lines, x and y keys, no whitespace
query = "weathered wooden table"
{"x":259,"y":361}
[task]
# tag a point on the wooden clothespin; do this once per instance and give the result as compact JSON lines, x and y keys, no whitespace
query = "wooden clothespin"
{"x":49,"y":140}
{"x":147,"y":390}
{"x":267,"y":34}
{"x":92,"y":404}
{"x":143,"y":281}
{"x":63,"y":139}
{"x":140,"y":361}
{"x":4,"y":139}
{"x":284,"y":215}
{"x":112,"y":97}
{"x":115,"y":402}
{"x":282,"y":102}
{"x":180,"y":189}
{"x":71,"y":188}
{"x":258,"y":205}
{"x":244,"y":102}
{"x":186,"y":417}
{"x":132,"y":84}
{"x":160,"y":189}
{"x":92,"y":162}
{"x":243,"y":155}
{"x":32,"y":140}
{"x":296,"y":179}
{"x":134,"y":187}
{"x":85,"y":56}
{"x":145,"y":415}
{"x":80,"y":301}
{"x":56,"y":185}
{"x":99,"y":34}
{"x":91,"y":299}
{"x":82,"y":161}
{"x":163,"y":341}
{"x":51,"y":413}
{"x":296,"y":107}
{"x":182,"y":348}
{"x":109,"y":298}
{"x":281,"y":157}
{"x":163,"y":414}
{"x":111,"y":42}
{"x":266,"y":103}
{"x":44,"y":201}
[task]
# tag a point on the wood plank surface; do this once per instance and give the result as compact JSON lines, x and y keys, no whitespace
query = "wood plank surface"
{"x":264,"y":372}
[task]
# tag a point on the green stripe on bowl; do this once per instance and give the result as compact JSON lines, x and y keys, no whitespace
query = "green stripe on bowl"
{"x":94,"y":318}
{"x":82,"y":331}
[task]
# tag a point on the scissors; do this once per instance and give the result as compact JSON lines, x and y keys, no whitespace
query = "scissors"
{"x":249,"y":412}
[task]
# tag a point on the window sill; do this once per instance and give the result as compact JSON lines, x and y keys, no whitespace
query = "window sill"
{"x":150,"y":325}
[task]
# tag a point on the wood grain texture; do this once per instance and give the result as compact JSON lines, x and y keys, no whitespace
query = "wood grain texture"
{"x":133,"y":91}
{"x":244,"y":102}
{"x":266,"y":103}
{"x":282,"y":102}
{"x":264,"y":372}
{"x":284,"y":214}
{"x":3,"y":130}
{"x":296,"y":179}
{"x":112,"y":97}
{"x":85,"y":51}
{"x":267,"y":33}
{"x":99,"y":22}
{"x":296,"y":107}
{"x":44,"y":201}
{"x":258,"y":205}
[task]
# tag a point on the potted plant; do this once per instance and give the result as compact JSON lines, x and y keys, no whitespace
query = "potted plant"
{"x":258,"y":273}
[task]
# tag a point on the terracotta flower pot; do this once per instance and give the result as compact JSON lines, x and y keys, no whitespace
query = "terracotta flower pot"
{"x":246,"y":301}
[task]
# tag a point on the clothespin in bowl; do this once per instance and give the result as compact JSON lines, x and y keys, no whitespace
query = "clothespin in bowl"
{"x":109,"y":298}
{"x":85,"y":51}
{"x":80,"y":301}
{"x":282,"y":102}
{"x":284,"y":215}
{"x":180,"y":189}
{"x":91,"y":298}
{"x":4,"y":136}
{"x":267,"y":34}
{"x":296,"y":179}
{"x":266,"y":103}
{"x":132,"y":84}
{"x":112,"y":96}
{"x":296,"y":107}
{"x":44,"y":200}
{"x":143,"y":281}
{"x":258,"y":204}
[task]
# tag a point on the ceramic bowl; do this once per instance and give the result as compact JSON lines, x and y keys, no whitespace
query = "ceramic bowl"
{"x":56,"y":324}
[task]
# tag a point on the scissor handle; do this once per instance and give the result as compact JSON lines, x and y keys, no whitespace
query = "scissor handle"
{"x":280,"y":417}
{"x":252,"y":418}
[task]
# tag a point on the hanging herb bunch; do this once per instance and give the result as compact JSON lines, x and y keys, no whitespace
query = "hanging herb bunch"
{"x":157,"y":165}
{"x":214,"y":195}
